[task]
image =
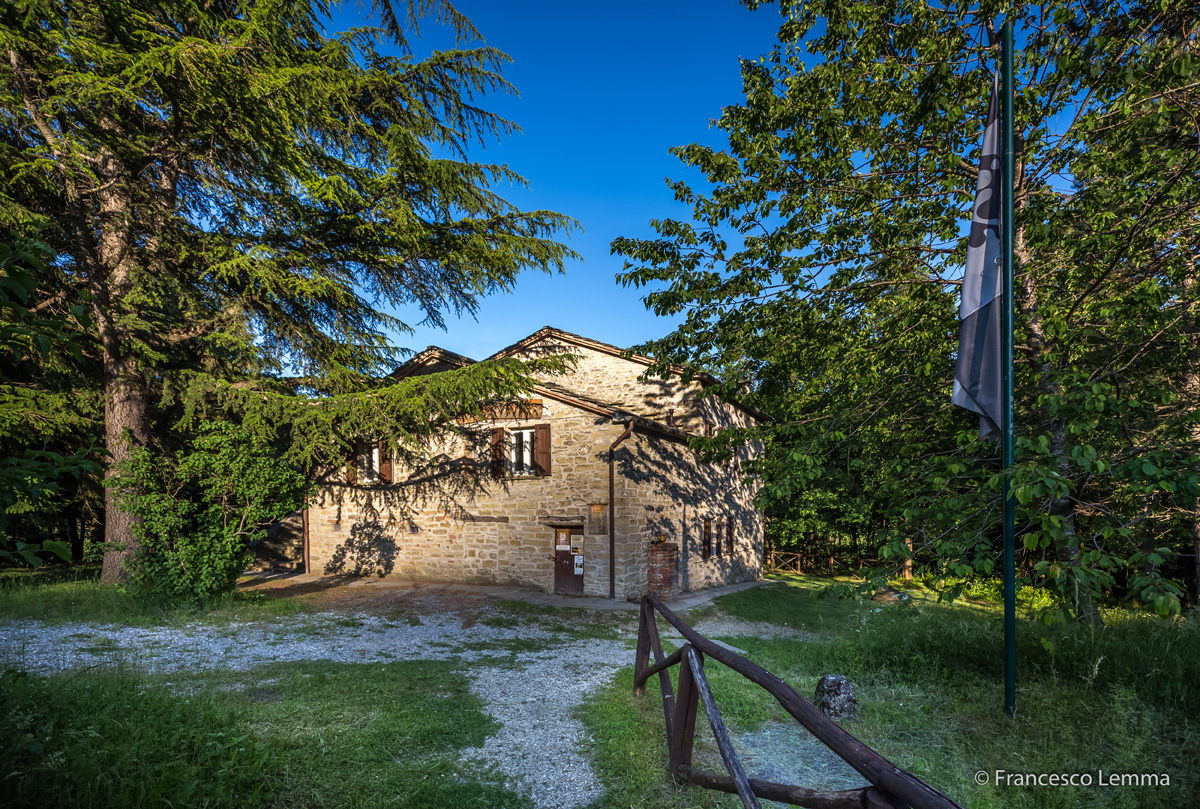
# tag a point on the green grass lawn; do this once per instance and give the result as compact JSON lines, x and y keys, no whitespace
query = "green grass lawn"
{"x":1123,"y":699}
{"x":311,"y":734}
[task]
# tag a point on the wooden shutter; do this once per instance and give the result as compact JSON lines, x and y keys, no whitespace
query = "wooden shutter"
{"x":706,"y":548}
{"x":497,"y":448}
{"x":541,"y":449}
{"x":385,"y":463}
{"x":729,"y":535}
{"x":352,"y":465}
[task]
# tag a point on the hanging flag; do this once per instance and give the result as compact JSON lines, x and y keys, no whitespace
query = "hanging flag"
{"x":977,"y":383}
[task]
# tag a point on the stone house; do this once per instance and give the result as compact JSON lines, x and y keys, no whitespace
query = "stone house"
{"x":589,"y":487}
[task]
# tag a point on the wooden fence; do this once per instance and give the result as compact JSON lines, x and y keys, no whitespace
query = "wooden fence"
{"x":816,"y":563}
{"x":891,"y":787}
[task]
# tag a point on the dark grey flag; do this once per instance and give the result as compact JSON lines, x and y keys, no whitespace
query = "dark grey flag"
{"x":977,"y":376}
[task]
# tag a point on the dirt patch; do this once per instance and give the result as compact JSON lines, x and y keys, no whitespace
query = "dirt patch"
{"x":353,"y":594}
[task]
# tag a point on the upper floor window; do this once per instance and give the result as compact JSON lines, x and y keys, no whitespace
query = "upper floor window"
{"x":524,"y":452}
{"x":520,"y":454}
{"x":370,"y":462}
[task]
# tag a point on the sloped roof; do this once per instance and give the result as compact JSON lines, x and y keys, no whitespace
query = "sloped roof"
{"x":428,"y":360}
{"x":545,"y":332}
{"x":431,"y":356}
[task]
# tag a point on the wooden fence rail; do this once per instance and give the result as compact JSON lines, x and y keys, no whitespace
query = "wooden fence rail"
{"x":891,"y":787}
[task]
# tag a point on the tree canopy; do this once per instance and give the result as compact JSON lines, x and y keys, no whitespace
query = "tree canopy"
{"x":823,"y":257}
{"x":243,"y":198}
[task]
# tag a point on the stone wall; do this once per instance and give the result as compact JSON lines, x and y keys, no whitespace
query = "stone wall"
{"x":283,"y":546}
{"x":675,"y":493}
{"x":448,"y":520}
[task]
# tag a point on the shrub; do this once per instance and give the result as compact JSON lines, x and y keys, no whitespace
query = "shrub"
{"x":200,"y":508}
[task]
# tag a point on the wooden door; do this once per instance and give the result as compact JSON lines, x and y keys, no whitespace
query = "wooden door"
{"x":568,"y":563}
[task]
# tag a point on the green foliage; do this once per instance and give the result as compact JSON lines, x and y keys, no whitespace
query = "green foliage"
{"x":202,"y":505}
{"x":246,"y":197}
{"x":35,"y":420}
{"x":824,"y":251}
{"x":1154,"y":658}
{"x":57,"y":594}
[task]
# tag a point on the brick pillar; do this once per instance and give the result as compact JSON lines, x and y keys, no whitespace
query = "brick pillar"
{"x":663,"y":570}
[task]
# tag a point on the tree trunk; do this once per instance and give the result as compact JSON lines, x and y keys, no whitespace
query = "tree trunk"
{"x":1196,"y":550}
{"x":74,"y":524}
{"x":126,"y":401}
{"x":1064,"y":508}
{"x":126,"y":426}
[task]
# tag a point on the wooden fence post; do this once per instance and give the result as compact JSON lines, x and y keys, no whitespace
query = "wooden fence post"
{"x":694,"y":662}
{"x":680,"y":750}
{"x":641,"y":659}
{"x":664,"y":676}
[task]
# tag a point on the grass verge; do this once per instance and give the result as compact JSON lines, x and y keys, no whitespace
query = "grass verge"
{"x":62,"y":594}
{"x":1119,"y":700}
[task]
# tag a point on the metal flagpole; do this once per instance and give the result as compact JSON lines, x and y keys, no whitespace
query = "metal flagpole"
{"x":1006,"y":366}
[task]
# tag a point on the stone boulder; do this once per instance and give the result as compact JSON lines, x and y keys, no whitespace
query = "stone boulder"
{"x":835,"y":697}
{"x":890,"y":595}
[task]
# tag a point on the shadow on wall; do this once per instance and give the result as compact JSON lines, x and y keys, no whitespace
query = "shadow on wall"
{"x":368,"y":552}
{"x":692,"y":491}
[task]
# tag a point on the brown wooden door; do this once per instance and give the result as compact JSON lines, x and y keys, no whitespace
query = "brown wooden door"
{"x":568,"y":569}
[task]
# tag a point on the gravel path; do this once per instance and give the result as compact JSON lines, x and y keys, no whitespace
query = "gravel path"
{"x":538,"y":746}
{"x":36,"y":647}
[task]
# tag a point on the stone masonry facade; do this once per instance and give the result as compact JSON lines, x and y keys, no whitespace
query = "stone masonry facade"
{"x":450,"y":520}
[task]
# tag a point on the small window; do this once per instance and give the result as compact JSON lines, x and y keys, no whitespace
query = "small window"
{"x":706,"y":547}
{"x":371,"y":462}
{"x":520,"y":452}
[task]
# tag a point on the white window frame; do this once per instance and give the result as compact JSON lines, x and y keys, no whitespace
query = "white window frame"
{"x":521,"y":452}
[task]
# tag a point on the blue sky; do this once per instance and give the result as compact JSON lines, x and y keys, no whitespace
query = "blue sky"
{"x":605,"y":89}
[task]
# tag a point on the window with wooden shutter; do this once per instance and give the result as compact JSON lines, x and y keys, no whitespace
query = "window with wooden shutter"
{"x":497,"y":452}
{"x":717,"y":546}
{"x":706,"y":546}
{"x":385,"y":463}
{"x":541,"y":446}
{"x":729,"y":535}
